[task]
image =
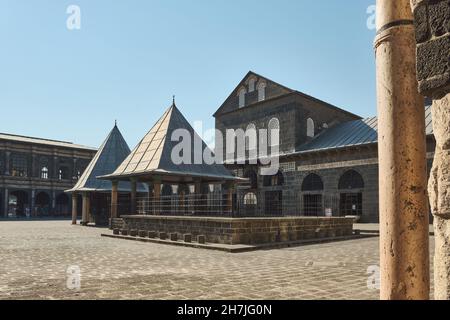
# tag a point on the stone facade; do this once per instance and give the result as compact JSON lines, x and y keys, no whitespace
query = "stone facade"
{"x":34,"y":173}
{"x":432,"y":23}
{"x":292,"y":109}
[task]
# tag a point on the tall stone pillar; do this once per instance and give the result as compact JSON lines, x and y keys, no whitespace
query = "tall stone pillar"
{"x":74,"y":208}
{"x":432,"y":23}
{"x":404,"y":243}
{"x":114,"y":198}
{"x":85,"y":212}
{"x":133,"y":206}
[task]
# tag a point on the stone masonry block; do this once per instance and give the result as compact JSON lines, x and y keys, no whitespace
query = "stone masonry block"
{"x":188,"y":238}
{"x":133,"y":233}
{"x":143,"y":233}
{"x":432,"y":24}
{"x":163,"y":235}
{"x":201,"y":239}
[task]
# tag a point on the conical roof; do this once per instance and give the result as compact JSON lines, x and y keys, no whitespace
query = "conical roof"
{"x":152,"y":156}
{"x":110,"y":155}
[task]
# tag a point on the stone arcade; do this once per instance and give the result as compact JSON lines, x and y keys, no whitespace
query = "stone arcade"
{"x":34,"y":173}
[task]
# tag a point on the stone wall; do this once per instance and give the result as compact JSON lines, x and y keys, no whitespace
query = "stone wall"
{"x":245,"y":230}
{"x":432,"y":23}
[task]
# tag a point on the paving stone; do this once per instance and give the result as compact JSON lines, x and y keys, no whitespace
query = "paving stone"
{"x":35,"y":257}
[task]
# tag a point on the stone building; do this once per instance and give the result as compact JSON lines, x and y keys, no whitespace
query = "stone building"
{"x":328,"y":156}
{"x":35,"y":172}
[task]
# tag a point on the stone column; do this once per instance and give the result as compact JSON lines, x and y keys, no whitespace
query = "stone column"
{"x":404,"y":244}
{"x":157,"y":197}
{"x":85,"y":214}
{"x":229,"y":206}
{"x":133,"y":196}
{"x":432,"y":22}
{"x":33,"y":202}
{"x":198,"y":196}
{"x":6,"y":203}
{"x":114,"y":198}
{"x":74,"y":208}
{"x":7,"y":163}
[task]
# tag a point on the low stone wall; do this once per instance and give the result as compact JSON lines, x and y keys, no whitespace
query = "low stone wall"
{"x":245,"y":230}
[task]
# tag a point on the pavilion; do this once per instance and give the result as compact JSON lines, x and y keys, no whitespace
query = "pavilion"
{"x":151,"y":163}
{"x":95,"y":192}
{"x":198,"y":201}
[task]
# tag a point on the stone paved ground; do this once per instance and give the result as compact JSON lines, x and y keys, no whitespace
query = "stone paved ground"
{"x":34,"y":257}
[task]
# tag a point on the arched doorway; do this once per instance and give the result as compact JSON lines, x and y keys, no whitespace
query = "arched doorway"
{"x":62,"y":205}
{"x":18,"y":204}
{"x":312,"y":189}
{"x":250,"y":204}
{"x":274,"y":198}
{"x":42,"y":204}
{"x":351,"y":187}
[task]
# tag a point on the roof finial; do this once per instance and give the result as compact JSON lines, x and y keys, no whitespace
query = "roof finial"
{"x":173,"y":100}
{"x":115,"y":123}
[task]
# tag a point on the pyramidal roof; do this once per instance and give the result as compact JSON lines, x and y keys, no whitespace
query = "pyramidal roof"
{"x":152,"y":156}
{"x":109,"y":156}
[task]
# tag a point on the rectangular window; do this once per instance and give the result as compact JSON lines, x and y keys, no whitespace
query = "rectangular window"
{"x":19,"y":167}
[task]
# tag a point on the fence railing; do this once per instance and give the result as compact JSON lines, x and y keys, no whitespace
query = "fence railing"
{"x":262,"y":204}
{"x":188,"y":205}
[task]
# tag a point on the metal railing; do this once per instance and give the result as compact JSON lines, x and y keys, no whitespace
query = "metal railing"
{"x":243,"y":204}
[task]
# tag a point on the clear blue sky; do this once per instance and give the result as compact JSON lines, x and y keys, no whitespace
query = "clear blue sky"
{"x":130,"y":56}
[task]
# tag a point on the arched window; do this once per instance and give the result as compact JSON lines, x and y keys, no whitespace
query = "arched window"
{"x":273,"y":132}
{"x":310,"y":130}
{"x":312,"y":183}
{"x":242,"y":93}
{"x":250,"y":199}
{"x":261,"y":91}
{"x":253,"y":177}
{"x":44,"y":173}
{"x":351,"y":180}
{"x":251,"y":85}
{"x":251,"y":137}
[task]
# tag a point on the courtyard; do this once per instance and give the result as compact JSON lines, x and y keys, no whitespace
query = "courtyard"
{"x":35,"y":257}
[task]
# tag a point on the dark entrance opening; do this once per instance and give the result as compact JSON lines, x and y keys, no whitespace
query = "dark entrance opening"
{"x":351,"y":185}
{"x":312,"y":205}
{"x":274,"y":201}
{"x":312,"y":200}
{"x":100,"y":205}
{"x":42,"y":204}
{"x":62,"y":205}
{"x":250,"y":202}
{"x":18,"y":204}
{"x":351,"y":204}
